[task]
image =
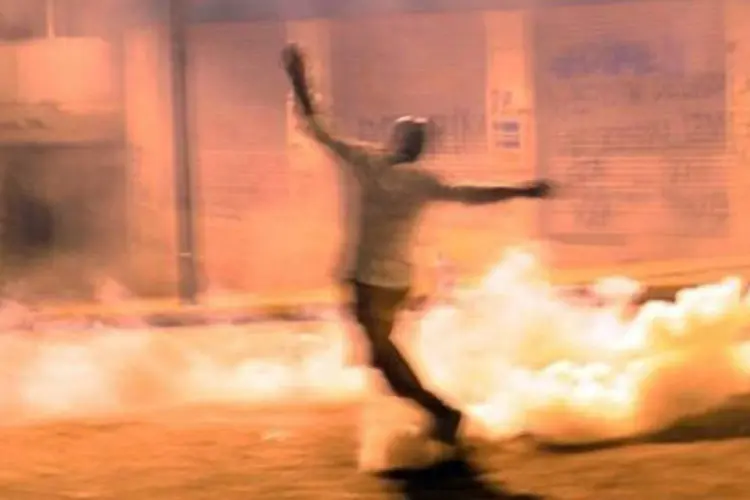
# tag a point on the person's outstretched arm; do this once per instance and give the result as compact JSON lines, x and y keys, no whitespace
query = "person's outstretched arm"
{"x":482,"y":195}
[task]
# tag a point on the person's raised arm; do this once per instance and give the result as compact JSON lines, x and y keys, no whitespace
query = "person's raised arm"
{"x":350,"y":152}
{"x":294,"y":64}
{"x":482,"y":195}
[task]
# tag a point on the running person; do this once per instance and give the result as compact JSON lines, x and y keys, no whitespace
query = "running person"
{"x":388,"y":193}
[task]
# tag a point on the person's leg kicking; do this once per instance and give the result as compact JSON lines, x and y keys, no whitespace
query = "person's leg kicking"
{"x":376,"y":309}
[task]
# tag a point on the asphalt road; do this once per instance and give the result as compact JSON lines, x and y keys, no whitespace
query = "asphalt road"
{"x":310,"y":452}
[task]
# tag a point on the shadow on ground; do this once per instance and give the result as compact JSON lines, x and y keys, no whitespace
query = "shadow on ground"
{"x":448,"y":481}
{"x":731,"y":421}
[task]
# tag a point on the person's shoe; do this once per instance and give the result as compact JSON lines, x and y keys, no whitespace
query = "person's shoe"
{"x":445,"y":429}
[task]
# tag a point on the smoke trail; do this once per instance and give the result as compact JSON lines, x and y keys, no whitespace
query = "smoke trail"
{"x":519,"y":356}
{"x":526,"y":360}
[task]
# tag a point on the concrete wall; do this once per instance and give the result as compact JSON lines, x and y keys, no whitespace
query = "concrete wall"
{"x":269,"y":200}
{"x":80,"y":72}
{"x":516,"y":93}
{"x":61,"y":157}
{"x":245,"y":204}
{"x":151,"y":207}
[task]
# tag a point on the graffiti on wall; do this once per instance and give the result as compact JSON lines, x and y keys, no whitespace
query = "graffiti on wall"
{"x":634,"y":122}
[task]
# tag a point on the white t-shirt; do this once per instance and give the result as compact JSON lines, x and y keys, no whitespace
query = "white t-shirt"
{"x":383,"y":204}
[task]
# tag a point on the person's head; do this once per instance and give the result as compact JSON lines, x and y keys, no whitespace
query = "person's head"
{"x":408,"y":138}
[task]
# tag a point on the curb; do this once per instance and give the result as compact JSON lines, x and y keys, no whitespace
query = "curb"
{"x":171,"y":313}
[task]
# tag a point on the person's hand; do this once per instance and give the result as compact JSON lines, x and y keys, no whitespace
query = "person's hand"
{"x":294,"y":64}
{"x":539,"y":189}
{"x":292,"y":59}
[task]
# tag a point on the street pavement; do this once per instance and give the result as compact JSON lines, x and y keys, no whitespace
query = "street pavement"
{"x":309,"y":451}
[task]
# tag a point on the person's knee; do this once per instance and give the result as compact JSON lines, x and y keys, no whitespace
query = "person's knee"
{"x":384,"y":353}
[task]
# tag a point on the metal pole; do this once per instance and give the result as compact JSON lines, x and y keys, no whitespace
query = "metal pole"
{"x":49,"y":18}
{"x":187,"y":269}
